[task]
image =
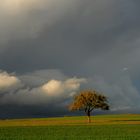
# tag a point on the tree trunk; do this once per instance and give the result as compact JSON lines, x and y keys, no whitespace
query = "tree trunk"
{"x":88,"y":114}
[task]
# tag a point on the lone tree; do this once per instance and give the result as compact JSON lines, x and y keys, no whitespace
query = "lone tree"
{"x":89,"y":100}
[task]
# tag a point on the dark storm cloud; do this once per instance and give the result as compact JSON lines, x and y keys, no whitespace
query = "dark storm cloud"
{"x":85,"y":32}
{"x":95,"y":39}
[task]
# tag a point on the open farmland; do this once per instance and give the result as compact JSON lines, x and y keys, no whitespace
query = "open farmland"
{"x":103,"y":127}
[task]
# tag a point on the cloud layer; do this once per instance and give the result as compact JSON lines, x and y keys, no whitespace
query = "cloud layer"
{"x":39,"y":88}
{"x":97,"y":40}
{"x":41,"y":94}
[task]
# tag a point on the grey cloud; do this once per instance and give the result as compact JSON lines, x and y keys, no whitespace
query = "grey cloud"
{"x":39,"y":77}
{"x":80,"y":38}
{"x":23,"y":20}
{"x":122,"y":93}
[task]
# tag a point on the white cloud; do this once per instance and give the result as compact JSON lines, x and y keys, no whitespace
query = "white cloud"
{"x":56,"y":88}
{"x":41,"y":92}
{"x":53,"y":87}
{"x":8,"y":81}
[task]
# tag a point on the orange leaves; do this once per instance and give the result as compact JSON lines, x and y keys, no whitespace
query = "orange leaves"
{"x":89,"y":100}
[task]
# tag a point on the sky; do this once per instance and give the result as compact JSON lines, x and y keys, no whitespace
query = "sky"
{"x":52,"y":49}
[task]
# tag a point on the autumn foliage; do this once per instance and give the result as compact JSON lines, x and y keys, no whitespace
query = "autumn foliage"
{"x":89,"y":100}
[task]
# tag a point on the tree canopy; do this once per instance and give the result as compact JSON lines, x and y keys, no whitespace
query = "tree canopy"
{"x":89,"y":100}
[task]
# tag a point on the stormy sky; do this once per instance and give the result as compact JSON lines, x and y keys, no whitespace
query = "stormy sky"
{"x":51,"y":49}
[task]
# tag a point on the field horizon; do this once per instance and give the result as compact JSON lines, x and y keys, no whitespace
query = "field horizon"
{"x":111,"y":119}
{"x":102,"y":127}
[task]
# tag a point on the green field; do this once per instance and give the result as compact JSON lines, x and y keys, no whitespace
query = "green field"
{"x":103,"y":127}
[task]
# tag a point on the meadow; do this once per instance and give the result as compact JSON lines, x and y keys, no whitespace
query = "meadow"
{"x":102,"y":127}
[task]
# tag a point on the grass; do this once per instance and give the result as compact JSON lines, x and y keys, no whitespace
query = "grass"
{"x":82,"y":120}
{"x":104,"y":127}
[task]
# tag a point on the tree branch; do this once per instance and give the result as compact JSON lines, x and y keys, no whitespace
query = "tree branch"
{"x":91,"y":109}
{"x":85,"y":109}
